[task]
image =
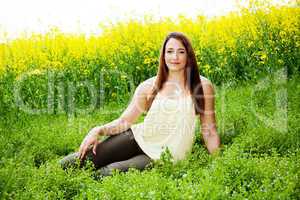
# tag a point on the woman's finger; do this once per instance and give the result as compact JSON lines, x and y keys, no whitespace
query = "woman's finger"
{"x":84,"y":147}
{"x":81,"y":148}
{"x":83,"y":152}
{"x":82,"y":155}
{"x":95,"y":147}
{"x":83,"y":144}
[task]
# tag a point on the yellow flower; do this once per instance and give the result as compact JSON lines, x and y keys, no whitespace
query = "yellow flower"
{"x":250,"y":43}
{"x":221,"y":50}
{"x":207,"y":66}
{"x":123,"y":77}
{"x":282,"y":34}
{"x":263,"y":56}
{"x":147,"y":61}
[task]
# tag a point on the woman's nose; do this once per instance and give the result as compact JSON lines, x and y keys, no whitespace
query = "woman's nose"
{"x":175,"y":55}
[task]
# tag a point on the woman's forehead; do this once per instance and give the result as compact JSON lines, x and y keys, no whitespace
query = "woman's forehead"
{"x":174,"y":43}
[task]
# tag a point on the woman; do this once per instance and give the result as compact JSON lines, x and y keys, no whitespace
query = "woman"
{"x":173,"y":99}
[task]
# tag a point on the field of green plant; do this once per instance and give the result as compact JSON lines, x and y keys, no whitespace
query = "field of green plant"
{"x":55,"y":87}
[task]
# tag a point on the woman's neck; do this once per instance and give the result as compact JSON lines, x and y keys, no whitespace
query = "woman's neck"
{"x":176,"y":77}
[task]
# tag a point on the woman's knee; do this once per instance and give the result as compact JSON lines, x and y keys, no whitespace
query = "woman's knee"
{"x":137,"y":162}
{"x":73,"y":160}
{"x":70,"y":161}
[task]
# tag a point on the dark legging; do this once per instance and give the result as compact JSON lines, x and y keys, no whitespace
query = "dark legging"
{"x":115,"y":152}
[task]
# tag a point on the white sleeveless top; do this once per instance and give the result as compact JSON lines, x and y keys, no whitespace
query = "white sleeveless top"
{"x":168,"y":123}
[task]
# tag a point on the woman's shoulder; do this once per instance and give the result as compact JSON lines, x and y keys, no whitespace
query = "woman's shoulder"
{"x":206,"y":85}
{"x":147,"y":85}
{"x":151,"y":80}
{"x":204,"y":78}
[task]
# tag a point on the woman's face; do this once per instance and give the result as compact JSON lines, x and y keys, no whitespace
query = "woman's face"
{"x":175,"y":55}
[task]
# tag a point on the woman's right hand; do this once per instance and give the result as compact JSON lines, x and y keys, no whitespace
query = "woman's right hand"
{"x":91,"y":139}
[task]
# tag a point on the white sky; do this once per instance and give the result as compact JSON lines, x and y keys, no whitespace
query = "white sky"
{"x":17,"y":16}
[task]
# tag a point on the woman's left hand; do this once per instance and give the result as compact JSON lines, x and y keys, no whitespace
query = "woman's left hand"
{"x":91,"y":139}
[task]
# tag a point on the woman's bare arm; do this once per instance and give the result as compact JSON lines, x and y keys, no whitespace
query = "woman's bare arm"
{"x":136,"y":107}
{"x":129,"y":116}
{"x":208,"y":119}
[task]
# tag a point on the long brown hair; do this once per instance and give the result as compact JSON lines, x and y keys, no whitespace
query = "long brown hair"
{"x":191,"y":73}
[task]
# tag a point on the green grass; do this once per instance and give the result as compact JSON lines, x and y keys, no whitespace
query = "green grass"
{"x":258,"y":160}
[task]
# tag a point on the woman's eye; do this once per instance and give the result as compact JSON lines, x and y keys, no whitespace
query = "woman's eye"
{"x":170,"y":51}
